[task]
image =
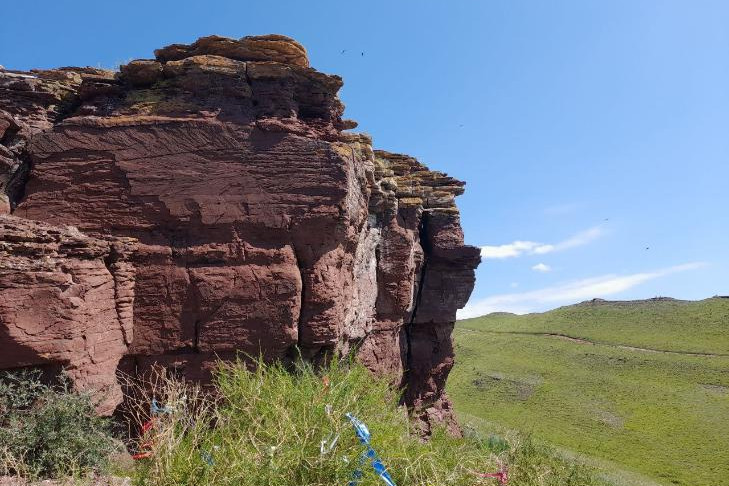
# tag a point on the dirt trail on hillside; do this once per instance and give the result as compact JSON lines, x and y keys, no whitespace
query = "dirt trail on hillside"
{"x":601,"y":343}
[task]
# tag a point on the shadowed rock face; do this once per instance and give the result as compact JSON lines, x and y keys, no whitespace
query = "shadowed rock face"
{"x":218,"y":207}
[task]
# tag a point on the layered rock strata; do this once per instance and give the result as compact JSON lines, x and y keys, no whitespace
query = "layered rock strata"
{"x":237,"y":214}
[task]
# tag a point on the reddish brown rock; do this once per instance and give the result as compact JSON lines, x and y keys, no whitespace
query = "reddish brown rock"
{"x":142,"y":72}
{"x":261,"y":226}
{"x":272,"y":47}
{"x":67,"y":299}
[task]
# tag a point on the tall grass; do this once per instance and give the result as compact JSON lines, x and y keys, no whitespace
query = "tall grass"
{"x":275,"y":427}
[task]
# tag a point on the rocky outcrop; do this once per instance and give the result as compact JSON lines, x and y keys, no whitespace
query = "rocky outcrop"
{"x":272,"y":47}
{"x":66,"y":298}
{"x":258,"y":225}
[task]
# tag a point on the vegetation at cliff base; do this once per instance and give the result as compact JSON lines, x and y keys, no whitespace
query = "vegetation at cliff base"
{"x":638,"y":386}
{"x":276,"y":427}
{"x":50,"y":431}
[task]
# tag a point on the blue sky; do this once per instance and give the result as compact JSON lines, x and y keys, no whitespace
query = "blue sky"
{"x":587,"y":131}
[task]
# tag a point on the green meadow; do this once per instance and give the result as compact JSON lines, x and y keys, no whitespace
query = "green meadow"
{"x":640,"y":389}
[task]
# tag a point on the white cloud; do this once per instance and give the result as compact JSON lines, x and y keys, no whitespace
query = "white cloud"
{"x":507,"y":251}
{"x":518,"y":248}
{"x":570,"y":292}
{"x":542,"y":267}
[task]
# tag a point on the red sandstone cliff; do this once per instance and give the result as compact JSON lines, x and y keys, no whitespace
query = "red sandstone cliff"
{"x":215,"y":206}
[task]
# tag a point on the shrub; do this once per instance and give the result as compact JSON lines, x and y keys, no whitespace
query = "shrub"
{"x":49,"y":431}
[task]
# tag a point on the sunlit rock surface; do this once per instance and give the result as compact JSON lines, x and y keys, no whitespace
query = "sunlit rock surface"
{"x":217,"y":206}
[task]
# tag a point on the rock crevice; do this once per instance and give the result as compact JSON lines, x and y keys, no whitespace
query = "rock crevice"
{"x":224,"y":209}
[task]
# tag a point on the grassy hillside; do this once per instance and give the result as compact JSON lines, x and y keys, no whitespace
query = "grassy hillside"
{"x":644,"y":384}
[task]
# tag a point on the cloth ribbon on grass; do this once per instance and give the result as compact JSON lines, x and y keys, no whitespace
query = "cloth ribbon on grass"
{"x":207,"y":457}
{"x":363,"y":434}
{"x":154,"y":409}
{"x":327,"y":445}
{"x":502,"y":475}
{"x":157,"y":409}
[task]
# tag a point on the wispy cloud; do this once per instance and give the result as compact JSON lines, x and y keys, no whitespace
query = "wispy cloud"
{"x":509,"y":250}
{"x":570,"y":292}
{"x":542,"y":267}
{"x":518,"y":248}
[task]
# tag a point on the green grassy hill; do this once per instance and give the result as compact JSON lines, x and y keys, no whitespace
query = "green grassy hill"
{"x":641,"y":386}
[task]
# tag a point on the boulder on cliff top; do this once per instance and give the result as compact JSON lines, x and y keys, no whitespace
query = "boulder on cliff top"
{"x":272,"y":47}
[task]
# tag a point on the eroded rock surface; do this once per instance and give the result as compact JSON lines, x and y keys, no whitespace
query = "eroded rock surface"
{"x":66,"y":298}
{"x":257,"y":224}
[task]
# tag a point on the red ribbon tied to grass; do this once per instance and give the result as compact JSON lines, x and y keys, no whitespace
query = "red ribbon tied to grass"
{"x":502,"y":475}
{"x":154,"y":410}
{"x":147,"y":445}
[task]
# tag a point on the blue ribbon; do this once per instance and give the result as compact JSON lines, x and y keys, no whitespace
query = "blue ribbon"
{"x":363,"y":434}
{"x":207,"y":457}
{"x":156,"y":409}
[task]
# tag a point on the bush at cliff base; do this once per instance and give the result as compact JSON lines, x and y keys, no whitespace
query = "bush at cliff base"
{"x":275,"y":427}
{"x":49,"y":431}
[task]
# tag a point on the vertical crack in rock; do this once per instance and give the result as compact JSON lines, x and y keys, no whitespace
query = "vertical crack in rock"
{"x":196,"y":339}
{"x":123,"y":275}
{"x":15,"y":165}
{"x":417,"y":295}
{"x":110,"y":262}
{"x":15,"y":186}
{"x":191,"y":308}
{"x":422,"y":238}
{"x":294,"y":353}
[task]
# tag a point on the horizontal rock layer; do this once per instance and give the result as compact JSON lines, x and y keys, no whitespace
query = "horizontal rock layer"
{"x":218,"y":207}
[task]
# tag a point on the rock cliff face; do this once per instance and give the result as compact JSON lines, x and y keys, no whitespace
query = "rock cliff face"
{"x":217,"y":206}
